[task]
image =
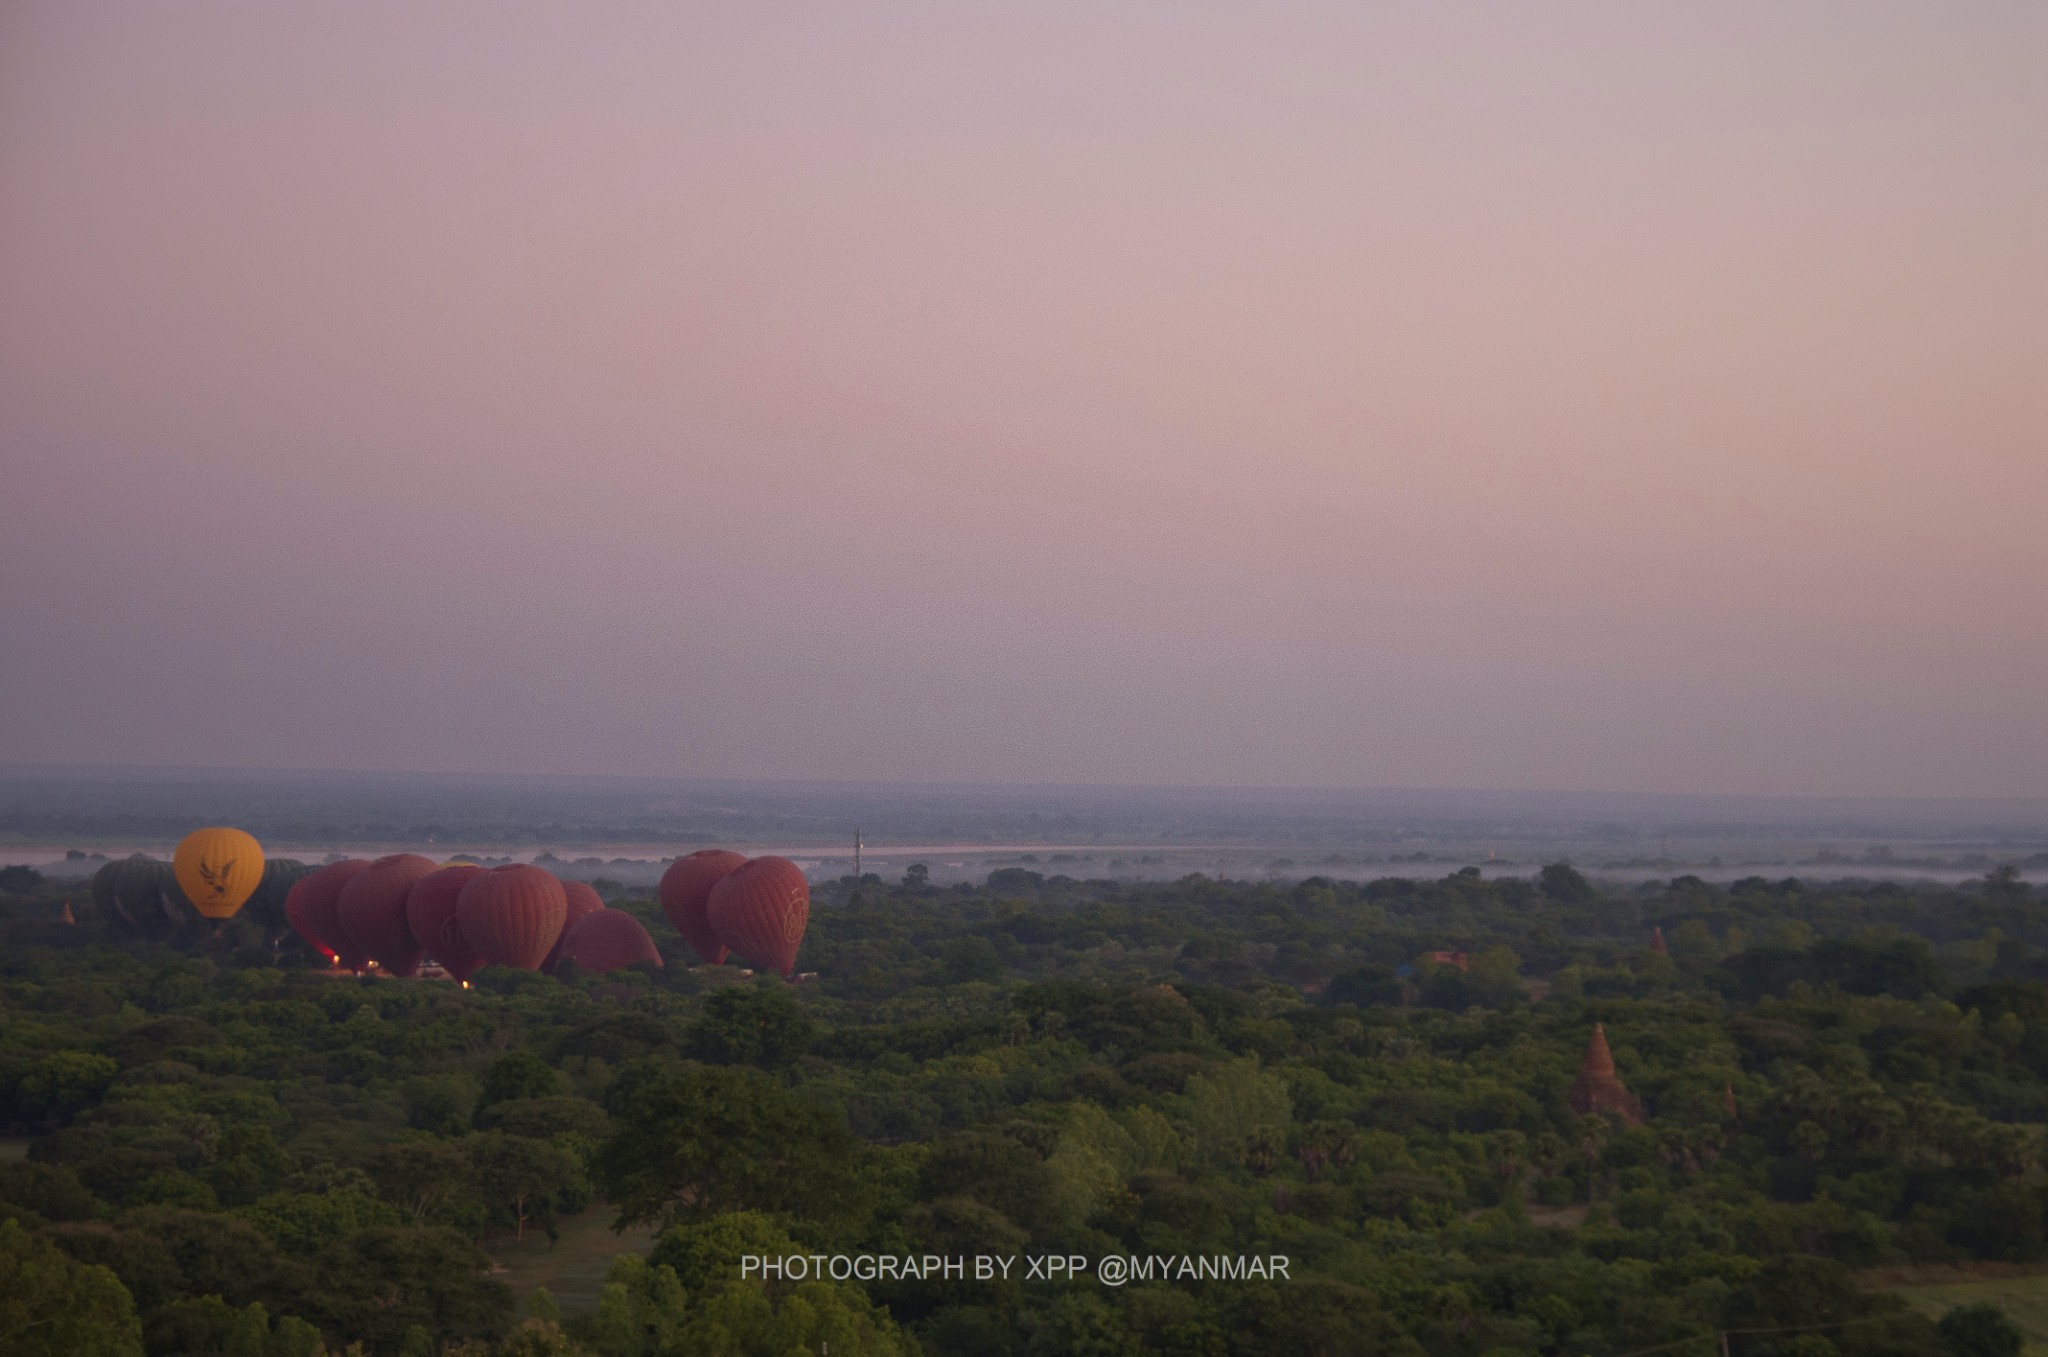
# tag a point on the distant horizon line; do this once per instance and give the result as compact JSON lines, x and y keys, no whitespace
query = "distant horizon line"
{"x":253,"y":771}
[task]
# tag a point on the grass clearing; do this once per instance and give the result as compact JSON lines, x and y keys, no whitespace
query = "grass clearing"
{"x":573,"y":1267}
{"x":2021,"y":1292}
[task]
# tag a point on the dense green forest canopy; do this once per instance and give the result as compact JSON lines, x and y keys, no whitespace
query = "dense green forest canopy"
{"x":224,"y":1147}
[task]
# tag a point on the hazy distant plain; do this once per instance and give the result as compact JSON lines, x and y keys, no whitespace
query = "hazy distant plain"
{"x":624,"y":828}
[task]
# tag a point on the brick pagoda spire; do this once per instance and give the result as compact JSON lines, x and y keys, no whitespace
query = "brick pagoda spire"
{"x":1598,"y":1088}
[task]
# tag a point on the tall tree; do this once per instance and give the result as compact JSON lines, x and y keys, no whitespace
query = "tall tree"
{"x":696,"y":1140}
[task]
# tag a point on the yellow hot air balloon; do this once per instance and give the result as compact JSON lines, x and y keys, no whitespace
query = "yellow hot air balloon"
{"x":218,"y":869}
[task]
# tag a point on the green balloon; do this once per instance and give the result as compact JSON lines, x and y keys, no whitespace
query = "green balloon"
{"x":103,"y":890}
{"x":144,"y":893}
{"x":266,"y":906}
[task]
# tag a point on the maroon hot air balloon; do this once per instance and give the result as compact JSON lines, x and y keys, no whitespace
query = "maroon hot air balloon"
{"x":321,"y":906}
{"x":583,"y":899}
{"x":606,"y":939}
{"x":685,"y":890}
{"x":372,"y":911}
{"x":760,"y":912}
{"x":295,"y":913}
{"x":430,"y":914}
{"x":511,"y":916}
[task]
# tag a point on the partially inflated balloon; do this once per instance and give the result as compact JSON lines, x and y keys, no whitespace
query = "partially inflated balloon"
{"x":760,"y":912}
{"x":320,"y":901}
{"x":685,"y":892}
{"x":218,"y":869}
{"x":606,"y":939}
{"x":512,"y":915}
{"x":103,"y":890}
{"x":295,"y":914}
{"x":266,"y":906}
{"x":177,"y":910}
{"x":371,"y":908}
{"x":583,"y":899}
{"x":279,"y":876}
{"x":430,"y":914}
{"x":137,"y":889}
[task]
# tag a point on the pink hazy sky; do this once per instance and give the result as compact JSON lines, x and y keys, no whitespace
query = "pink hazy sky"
{"x":1605,"y":396}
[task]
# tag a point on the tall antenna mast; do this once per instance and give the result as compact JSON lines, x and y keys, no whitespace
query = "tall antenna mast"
{"x":856,"y":853}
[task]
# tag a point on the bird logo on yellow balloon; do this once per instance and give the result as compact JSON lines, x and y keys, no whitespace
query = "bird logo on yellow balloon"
{"x":218,"y":869}
{"x":218,"y":879}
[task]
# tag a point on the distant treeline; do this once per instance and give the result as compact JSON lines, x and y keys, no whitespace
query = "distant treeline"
{"x":231,"y":1149}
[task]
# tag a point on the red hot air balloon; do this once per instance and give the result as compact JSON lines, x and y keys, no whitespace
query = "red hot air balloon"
{"x":685,"y":891}
{"x":583,"y":899}
{"x":606,"y":939}
{"x":511,"y":916}
{"x":295,"y":913}
{"x":430,"y":914}
{"x":372,"y":911}
{"x":320,"y":905}
{"x":760,"y":912}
